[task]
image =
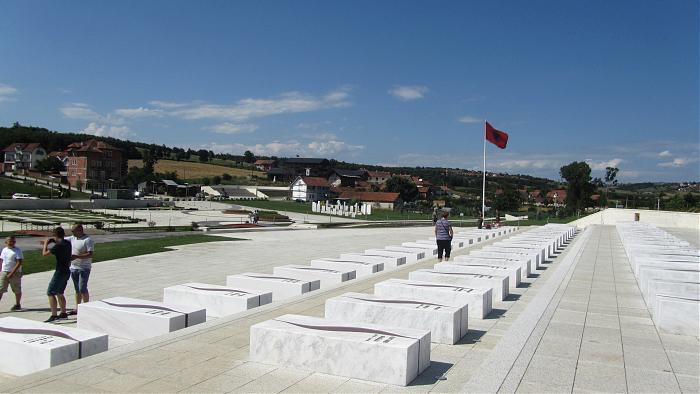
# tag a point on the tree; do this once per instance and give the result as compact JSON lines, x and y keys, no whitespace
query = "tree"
{"x":408,"y":191}
{"x":216,"y":180}
{"x":50,"y":164}
{"x":203,"y":155}
{"x":249,"y":156}
{"x":149,"y":162}
{"x":206,"y":181}
{"x":509,"y":200}
{"x":610,"y":175}
{"x":580,"y":188}
{"x":226,"y":176}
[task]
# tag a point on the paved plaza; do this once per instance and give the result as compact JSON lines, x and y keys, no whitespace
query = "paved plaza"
{"x":577,"y":324}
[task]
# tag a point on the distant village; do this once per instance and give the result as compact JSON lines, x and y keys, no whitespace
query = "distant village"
{"x":101,"y":168}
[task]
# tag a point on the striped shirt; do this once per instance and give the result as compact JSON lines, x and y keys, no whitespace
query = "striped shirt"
{"x":442,"y":228}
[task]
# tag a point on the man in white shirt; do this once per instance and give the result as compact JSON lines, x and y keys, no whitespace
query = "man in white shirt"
{"x":11,"y":274}
{"x":81,"y":264}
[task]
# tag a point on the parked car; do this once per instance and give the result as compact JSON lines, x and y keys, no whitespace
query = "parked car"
{"x":23,"y":196}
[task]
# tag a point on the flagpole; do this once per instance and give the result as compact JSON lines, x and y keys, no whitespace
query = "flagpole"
{"x":483,"y":189}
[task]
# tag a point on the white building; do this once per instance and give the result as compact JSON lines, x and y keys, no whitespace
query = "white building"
{"x":309,"y":188}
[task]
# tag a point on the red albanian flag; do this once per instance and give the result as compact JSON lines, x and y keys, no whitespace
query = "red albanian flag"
{"x":496,"y":137}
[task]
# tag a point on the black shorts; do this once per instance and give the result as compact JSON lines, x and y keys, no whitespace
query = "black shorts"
{"x":58,"y":283}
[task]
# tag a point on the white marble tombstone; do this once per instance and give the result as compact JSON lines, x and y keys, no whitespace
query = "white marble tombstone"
{"x":136,"y":319}
{"x":217,"y":300}
{"x":513,"y":273}
{"x":521,"y":248}
{"x":677,"y":315}
{"x":499,"y":284}
{"x":388,"y":261}
{"x":638,"y":263}
{"x":28,"y":346}
{"x":647,"y":274}
{"x":447,"y":324}
{"x":530,"y":259}
{"x":469,"y":260}
{"x":457,"y":243}
{"x":281,"y":286}
{"x":478,"y":298}
{"x":364,"y":351}
{"x":431,"y":250}
{"x":418,"y":254}
{"x":328,"y":277}
{"x":463,"y":239}
{"x":409,"y":256}
{"x":361,"y":268}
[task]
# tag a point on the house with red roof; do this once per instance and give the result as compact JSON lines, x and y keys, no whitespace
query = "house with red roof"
{"x":95,"y":164}
{"x":22,"y":156}
{"x":383,"y":200}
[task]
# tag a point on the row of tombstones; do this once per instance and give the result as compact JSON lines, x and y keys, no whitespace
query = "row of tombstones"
{"x":667,"y":270}
{"x":42,"y":346}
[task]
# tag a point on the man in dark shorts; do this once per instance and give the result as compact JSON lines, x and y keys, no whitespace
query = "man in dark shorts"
{"x":62,"y":251}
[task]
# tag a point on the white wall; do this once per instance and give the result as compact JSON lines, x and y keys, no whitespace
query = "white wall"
{"x":657,"y":218}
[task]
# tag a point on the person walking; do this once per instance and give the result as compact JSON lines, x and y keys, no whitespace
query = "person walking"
{"x":57,"y":286}
{"x":11,"y":259}
{"x":81,"y":264}
{"x":443,"y":235}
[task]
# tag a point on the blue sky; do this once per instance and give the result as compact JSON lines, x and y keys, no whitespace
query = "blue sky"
{"x":390,"y":82}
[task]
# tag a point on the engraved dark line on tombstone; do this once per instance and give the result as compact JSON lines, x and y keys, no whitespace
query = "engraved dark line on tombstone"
{"x":216,"y":289}
{"x":462,"y":274}
{"x":388,"y":301}
{"x":448,"y":286}
{"x":37,"y":331}
{"x":344,"y":329}
{"x":144,"y":306}
{"x":272,"y":277}
{"x":314,"y":269}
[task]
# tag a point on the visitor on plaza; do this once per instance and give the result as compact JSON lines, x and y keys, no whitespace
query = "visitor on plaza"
{"x":57,"y":286}
{"x":11,"y":276}
{"x":443,"y":235}
{"x":81,"y":264}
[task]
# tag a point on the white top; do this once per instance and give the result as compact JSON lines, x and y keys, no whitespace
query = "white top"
{"x":9,"y":257}
{"x":81,"y":245}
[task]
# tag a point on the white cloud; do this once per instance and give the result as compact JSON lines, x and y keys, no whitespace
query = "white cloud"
{"x":232,"y":128}
{"x":602,"y":165}
{"x":140,"y":112}
{"x":103,"y":130}
{"x":244,"y":109}
{"x":167,"y":104}
{"x":469,"y":119}
{"x":665,"y":153}
{"x":80,"y":111}
{"x":7,"y":92}
{"x":325,"y":146}
{"x":331,"y":147}
{"x":678,"y":162}
{"x":525,"y":164}
{"x":408,"y":93}
{"x":275,"y":148}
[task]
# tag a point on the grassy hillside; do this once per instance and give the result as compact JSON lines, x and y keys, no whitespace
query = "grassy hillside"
{"x":195,"y":170}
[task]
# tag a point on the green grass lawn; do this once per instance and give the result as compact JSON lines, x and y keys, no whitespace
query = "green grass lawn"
{"x":35,"y":262}
{"x":9,"y":187}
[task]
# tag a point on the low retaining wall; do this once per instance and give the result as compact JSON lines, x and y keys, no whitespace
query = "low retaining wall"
{"x":658,"y":218}
{"x":34,"y":204}
{"x":78,"y":204}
